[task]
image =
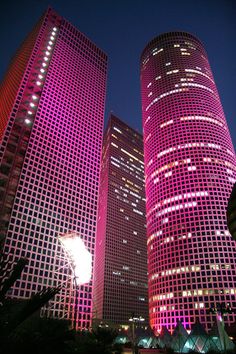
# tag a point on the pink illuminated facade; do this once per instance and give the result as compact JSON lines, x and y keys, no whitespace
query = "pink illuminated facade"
{"x":52,"y":107}
{"x":190,"y":170}
{"x":120,"y":276}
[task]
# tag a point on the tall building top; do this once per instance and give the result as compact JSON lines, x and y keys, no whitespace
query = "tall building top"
{"x":168,"y":37}
{"x":114,"y":119}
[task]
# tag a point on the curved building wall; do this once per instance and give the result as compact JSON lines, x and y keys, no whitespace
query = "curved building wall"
{"x":190,"y":169}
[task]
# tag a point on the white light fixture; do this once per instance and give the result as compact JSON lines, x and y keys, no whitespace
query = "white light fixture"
{"x":50,"y":42}
{"x":27,"y":121}
{"x":48,"y":47}
{"x":54,"y":29}
{"x":40,"y":76}
{"x":42,"y":70}
{"x":29,"y":112}
{"x":52,"y":38}
{"x":80,"y":259}
{"x":34,"y":97}
{"x":44,"y":64}
{"x":38,"y":83}
{"x":32,"y":104}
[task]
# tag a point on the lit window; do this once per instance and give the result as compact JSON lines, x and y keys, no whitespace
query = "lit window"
{"x":192,"y":168}
{"x":118,"y":130}
{"x":155,"y":51}
{"x":166,"y":123}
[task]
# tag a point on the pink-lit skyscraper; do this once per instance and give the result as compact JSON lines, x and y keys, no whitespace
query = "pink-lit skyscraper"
{"x":190,"y":170}
{"x":52,"y":107}
{"x":120,"y":276}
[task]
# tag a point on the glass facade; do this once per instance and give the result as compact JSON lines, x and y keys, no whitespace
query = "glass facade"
{"x":120,"y":277}
{"x":190,"y":168}
{"x":53,"y":97}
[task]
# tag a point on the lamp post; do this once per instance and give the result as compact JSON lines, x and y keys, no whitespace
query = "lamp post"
{"x":221,"y":310}
{"x":134,"y":320}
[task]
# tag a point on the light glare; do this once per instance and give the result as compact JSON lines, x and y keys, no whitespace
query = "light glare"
{"x":79,"y":257}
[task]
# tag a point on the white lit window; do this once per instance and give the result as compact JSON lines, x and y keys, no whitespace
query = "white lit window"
{"x":166,"y":123}
{"x":168,"y":174}
{"x":192,"y":168}
{"x":118,"y":130}
{"x":155,"y":51}
{"x":125,"y":267}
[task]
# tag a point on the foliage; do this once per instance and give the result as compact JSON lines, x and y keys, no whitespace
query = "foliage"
{"x":9,"y":273}
{"x":99,"y":341}
{"x":22,"y":330}
{"x":39,"y":336}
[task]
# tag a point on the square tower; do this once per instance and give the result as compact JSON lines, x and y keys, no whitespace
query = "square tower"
{"x":52,"y":107}
{"x":120,"y":277}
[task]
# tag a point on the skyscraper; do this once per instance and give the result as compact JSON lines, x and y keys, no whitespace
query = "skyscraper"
{"x":52,"y":107}
{"x":190,"y":169}
{"x":120,"y":277}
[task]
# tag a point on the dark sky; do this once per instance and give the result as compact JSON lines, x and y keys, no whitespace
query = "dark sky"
{"x":122,"y":29}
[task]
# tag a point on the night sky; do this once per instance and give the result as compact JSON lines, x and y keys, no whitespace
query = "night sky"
{"x":122,"y":28}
